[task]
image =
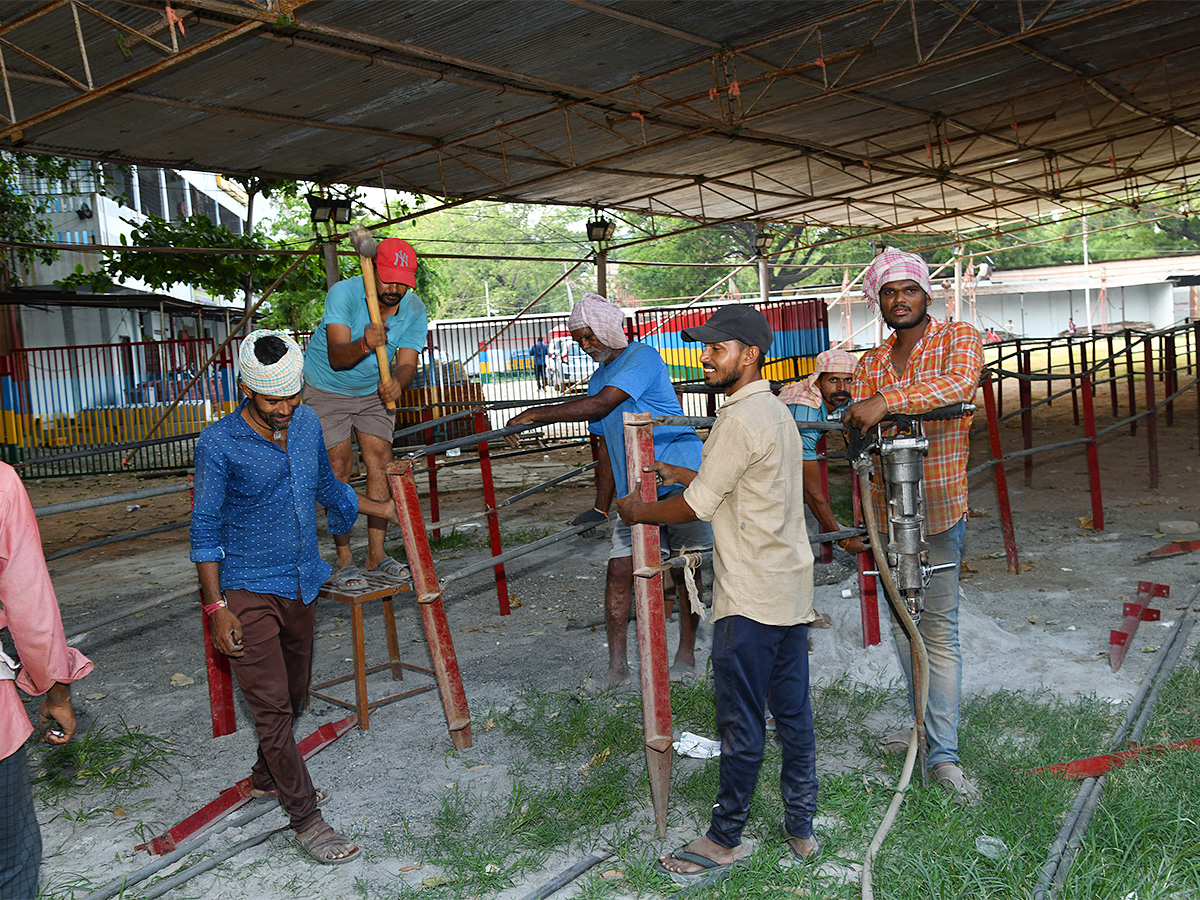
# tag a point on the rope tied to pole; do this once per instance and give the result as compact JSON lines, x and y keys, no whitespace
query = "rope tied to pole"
{"x":695,"y":559}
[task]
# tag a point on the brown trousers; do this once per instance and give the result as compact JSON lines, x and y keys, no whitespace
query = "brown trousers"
{"x":274,"y":674}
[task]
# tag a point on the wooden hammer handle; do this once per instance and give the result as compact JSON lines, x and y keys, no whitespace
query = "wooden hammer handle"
{"x":385,"y":369}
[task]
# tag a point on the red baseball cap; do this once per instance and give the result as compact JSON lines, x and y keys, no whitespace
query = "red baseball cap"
{"x":396,"y":262}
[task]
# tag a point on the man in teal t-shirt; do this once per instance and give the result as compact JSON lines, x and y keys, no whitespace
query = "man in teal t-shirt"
{"x":630,"y":377}
{"x":343,"y":386}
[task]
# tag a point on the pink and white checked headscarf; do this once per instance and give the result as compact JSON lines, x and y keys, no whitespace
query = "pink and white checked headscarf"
{"x":605,"y":319}
{"x":282,"y":378}
{"x":807,"y":392}
{"x":895,"y":265}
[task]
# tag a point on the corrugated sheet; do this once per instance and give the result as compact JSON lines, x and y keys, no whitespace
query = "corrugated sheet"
{"x":685,"y":107}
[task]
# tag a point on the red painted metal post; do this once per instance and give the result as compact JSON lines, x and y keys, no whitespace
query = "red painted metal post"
{"x":1006,"y":523}
{"x":1112,"y":377}
{"x":493,"y":518}
{"x":1074,"y":383}
{"x":651,"y":628}
{"x":1026,"y":391}
{"x":431,"y":469}
{"x":429,"y":600}
{"x":823,"y":464}
{"x":1196,"y":342}
{"x":868,"y":589}
{"x":1152,"y":417}
{"x":1170,"y":375}
{"x":1093,"y":454}
{"x":220,"y":686}
{"x":1129,"y":380}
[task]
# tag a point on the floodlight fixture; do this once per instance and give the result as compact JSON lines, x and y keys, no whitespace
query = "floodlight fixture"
{"x":329,"y":209}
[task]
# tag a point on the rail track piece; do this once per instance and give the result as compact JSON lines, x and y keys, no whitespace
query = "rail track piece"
{"x":651,"y":624}
{"x":1135,"y":613}
{"x":429,"y":601}
{"x":234,"y":798}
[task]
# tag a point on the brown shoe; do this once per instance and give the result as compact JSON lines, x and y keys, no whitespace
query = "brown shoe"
{"x":895,"y":743}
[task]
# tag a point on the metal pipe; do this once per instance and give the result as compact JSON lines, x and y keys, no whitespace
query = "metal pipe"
{"x":516,"y":552}
{"x":113,"y":617}
{"x":92,"y":502}
{"x":470,"y":440}
{"x":538,"y":488}
{"x":98,"y":451}
{"x":441,"y":420}
{"x":562,"y":879}
{"x":116,"y":539}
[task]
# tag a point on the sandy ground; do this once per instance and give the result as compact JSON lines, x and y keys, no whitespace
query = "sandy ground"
{"x":1046,"y":628}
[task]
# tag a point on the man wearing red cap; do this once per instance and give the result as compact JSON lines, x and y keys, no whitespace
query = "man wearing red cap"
{"x":343,"y":387}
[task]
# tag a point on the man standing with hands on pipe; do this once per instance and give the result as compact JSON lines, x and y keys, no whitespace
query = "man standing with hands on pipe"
{"x":344,"y":387}
{"x":747,"y":486}
{"x":923,"y":365}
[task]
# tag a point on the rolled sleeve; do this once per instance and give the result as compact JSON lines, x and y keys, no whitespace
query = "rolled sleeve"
{"x":727,"y":453}
{"x":209,"y":494}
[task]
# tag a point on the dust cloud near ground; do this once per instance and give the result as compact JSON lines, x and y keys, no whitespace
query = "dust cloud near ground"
{"x":1046,"y":628}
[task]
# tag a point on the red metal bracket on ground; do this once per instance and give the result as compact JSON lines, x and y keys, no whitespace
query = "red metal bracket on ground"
{"x":1172,"y":549}
{"x":1134,"y":614}
{"x":429,"y":601}
{"x":236,"y":797}
{"x":651,"y":625}
{"x":1095,"y":766}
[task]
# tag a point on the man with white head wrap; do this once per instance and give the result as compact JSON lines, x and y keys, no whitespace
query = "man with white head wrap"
{"x":631,"y":377}
{"x":923,"y":365}
{"x":260,"y":471}
{"x":827,"y":388}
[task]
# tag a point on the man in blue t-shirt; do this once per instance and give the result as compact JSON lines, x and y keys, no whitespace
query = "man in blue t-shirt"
{"x":631,"y":378}
{"x":343,"y":386}
{"x":538,"y":352}
{"x":811,"y":400}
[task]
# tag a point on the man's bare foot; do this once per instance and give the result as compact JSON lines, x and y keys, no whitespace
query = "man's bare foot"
{"x":702,"y":846}
{"x":681,"y":673}
{"x":618,"y":677}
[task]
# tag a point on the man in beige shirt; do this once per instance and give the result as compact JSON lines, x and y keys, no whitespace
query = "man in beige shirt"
{"x":762,"y":600}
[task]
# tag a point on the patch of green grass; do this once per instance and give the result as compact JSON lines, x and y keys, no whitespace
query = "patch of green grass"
{"x":100,"y":759}
{"x":452,"y":540}
{"x":518,"y":536}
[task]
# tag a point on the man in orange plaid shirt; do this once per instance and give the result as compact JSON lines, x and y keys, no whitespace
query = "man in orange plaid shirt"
{"x":923,"y":365}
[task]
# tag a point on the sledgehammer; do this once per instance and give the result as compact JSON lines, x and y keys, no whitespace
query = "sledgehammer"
{"x":364,"y":246}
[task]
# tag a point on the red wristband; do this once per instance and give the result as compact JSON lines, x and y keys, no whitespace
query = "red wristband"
{"x":362,"y":342}
{"x":210,"y":608}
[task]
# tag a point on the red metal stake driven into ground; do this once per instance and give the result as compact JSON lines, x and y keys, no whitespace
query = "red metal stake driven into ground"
{"x":651,"y":627}
{"x":429,"y":600}
{"x":868,"y":587}
{"x":493,"y":520}
{"x":1006,"y":523}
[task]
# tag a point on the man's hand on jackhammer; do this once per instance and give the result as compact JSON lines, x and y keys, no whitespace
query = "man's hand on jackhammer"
{"x":865,"y":413}
{"x":226,"y":631}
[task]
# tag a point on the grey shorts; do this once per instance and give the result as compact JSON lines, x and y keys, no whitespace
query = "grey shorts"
{"x":695,"y":535}
{"x":340,"y":415}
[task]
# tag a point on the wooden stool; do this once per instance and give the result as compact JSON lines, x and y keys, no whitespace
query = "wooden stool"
{"x":377,"y":588}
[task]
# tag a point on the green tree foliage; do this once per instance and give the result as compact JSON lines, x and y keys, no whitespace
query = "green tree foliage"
{"x":509,"y":232}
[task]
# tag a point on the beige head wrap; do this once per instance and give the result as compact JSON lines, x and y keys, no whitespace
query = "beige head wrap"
{"x":807,"y":392}
{"x":605,"y":319}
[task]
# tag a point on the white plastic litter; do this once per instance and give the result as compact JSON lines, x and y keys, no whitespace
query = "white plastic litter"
{"x":132,"y":507}
{"x":991,"y":847}
{"x":697,"y":747}
{"x":846,"y":594}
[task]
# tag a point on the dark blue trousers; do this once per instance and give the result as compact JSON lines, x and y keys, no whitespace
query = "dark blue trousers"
{"x":753,"y":664}
{"x":20,"y":838}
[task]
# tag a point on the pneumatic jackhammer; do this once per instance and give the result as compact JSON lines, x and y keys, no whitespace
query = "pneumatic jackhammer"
{"x":902,"y":560}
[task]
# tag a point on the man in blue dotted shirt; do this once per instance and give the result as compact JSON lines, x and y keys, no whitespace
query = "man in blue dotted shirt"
{"x":260,"y":471}
{"x":343,"y":387}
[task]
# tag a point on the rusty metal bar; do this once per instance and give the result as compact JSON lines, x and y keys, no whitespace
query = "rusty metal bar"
{"x":651,"y":627}
{"x":1093,"y":457}
{"x":1152,"y":418}
{"x":429,"y":600}
{"x":1006,"y":522}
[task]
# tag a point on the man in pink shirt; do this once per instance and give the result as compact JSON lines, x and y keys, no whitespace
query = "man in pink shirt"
{"x":29,"y":610}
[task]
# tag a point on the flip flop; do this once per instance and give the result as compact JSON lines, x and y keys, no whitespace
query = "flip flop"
{"x":348,"y":578}
{"x":392,"y":570}
{"x":320,"y":841}
{"x":712,"y":872}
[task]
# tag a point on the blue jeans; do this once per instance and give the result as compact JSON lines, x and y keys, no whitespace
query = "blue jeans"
{"x":939,"y":630}
{"x":753,"y":663}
